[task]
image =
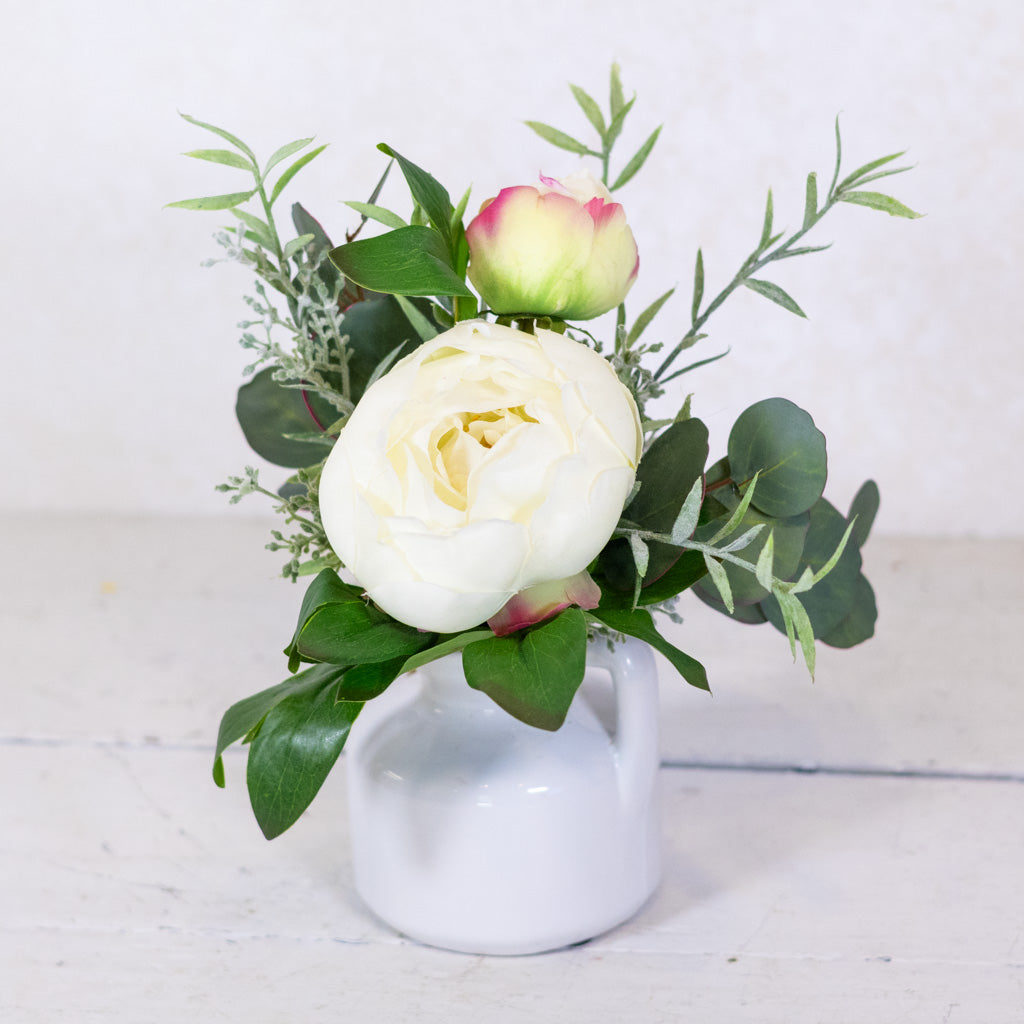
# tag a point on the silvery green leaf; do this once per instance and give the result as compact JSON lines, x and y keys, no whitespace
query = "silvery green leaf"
{"x":643,"y":320}
{"x":224,"y":202}
{"x":877,"y":201}
{"x":738,"y":513}
{"x":560,"y":139}
{"x":776,"y":294}
{"x":686,"y":521}
{"x":296,"y":244}
{"x":839,"y":159}
{"x":765,"y":562}
{"x":883,"y":174}
{"x":615,"y":127}
{"x":638,"y":159}
{"x":589,"y":107}
{"x":717,"y":573}
{"x":617,"y":100}
{"x":801,"y":251}
{"x":828,"y":566}
{"x":221,"y":156}
{"x":259,"y":228}
{"x":294,"y":169}
{"x":641,"y":558}
{"x":810,"y":200}
{"x":744,"y":540}
{"x":378,"y":213}
{"x":805,"y":582}
{"x":284,"y":152}
{"x":696,"y":365}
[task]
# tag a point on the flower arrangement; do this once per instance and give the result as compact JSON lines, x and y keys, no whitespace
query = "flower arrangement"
{"x":475,"y":472}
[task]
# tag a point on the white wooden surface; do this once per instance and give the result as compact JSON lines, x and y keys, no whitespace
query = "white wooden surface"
{"x":847,"y":851}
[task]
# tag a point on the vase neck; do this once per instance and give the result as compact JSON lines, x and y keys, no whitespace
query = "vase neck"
{"x":444,"y":682}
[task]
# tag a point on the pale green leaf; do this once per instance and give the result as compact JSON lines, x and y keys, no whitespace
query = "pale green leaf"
{"x":225,"y":135}
{"x":560,"y":139}
{"x":718,"y":576}
{"x":643,"y":320}
{"x":221,"y":156}
{"x":765,"y":563}
{"x":686,"y":521}
{"x":830,"y":564}
{"x":378,"y":213}
{"x":617,"y":99}
{"x":698,"y":287}
{"x":292,"y":247}
{"x":589,"y":107}
{"x":810,"y":200}
{"x":775,"y":293}
{"x":744,"y":540}
{"x":284,"y":152}
{"x":766,"y":229}
{"x":855,"y":178}
{"x":224,"y":202}
{"x":638,"y":159}
{"x":738,"y":513}
{"x":259,"y":229}
{"x":877,"y":201}
{"x":420,"y":324}
{"x":294,"y":169}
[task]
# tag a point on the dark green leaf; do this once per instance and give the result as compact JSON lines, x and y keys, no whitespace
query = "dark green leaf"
{"x":864,"y":507}
{"x":407,"y":261}
{"x":859,"y":625}
{"x":589,"y":107}
{"x":749,"y":614}
{"x":775,"y":293}
{"x":637,"y":161}
{"x":364,"y":682}
{"x":877,"y":201}
{"x":268,"y":413}
{"x":224,"y":202}
{"x":534,"y":674}
{"x":242,"y":717}
{"x":296,"y":747}
{"x":294,"y":169}
{"x":780,"y":441}
{"x":447,"y":645}
{"x":560,"y":139}
{"x":640,"y":624}
{"x":430,"y":194}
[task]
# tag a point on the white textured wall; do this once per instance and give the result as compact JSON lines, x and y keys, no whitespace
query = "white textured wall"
{"x":120,"y":351}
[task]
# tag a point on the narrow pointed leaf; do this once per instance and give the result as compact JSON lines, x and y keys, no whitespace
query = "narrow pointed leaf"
{"x":776,"y":294}
{"x":378,"y":213}
{"x":839,"y":159}
{"x":863,"y":509}
{"x":222,"y":156}
{"x":616,"y":98}
{"x":284,"y":152}
{"x":637,"y":161}
{"x":739,"y":512}
{"x":294,"y":169}
{"x":615,"y":126}
{"x":560,"y":139}
{"x":643,"y":320}
{"x":698,"y":287}
{"x":744,"y":540}
{"x":686,"y":521}
{"x":420,"y":324}
{"x":877,"y":201}
{"x":765,"y":563}
{"x":855,"y":176}
{"x":259,"y":228}
{"x":810,"y":200}
{"x":589,"y":107}
{"x":766,"y":229}
{"x":225,"y":135}
{"x":717,"y":573}
{"x":224,"y":202}
{"x":292,"y":247}
{"x":428,"y":192}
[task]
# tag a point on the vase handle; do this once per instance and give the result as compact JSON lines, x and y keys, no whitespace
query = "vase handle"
{"x":635,"y":677}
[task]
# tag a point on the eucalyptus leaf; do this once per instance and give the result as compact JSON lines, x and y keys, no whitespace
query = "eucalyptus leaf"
{"x":779,"y":441}
{"x":863,"y":509}
{"x":859,"y":625}
{"x":533,"y":674}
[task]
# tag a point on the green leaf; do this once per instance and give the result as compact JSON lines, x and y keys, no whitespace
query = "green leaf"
{"x":797,"y":623}
{"x":616,"y":99}
{"x":408,"y":261}
{"x":855,"y":177}
{"x":227,"y":136}
{"x":766,"y":563}
{"x":859,"y":625}
{"x":347,"y":630}
{"x":748,"y":614}
{"x":224,"y":202}
{"x":811,"y":201}
{"x":222,"y":156}
{"x":534,"y":674}
{"x":292,"y":247}
{"x":560,"y":139}
{"x":284,"y":152}
{"x":429,"y":193}
{"x":423,"y":327}
{"x":615,"y":126}
{"x":268,"y":412}
{"x":766,"y":229}
{"x":590,"y":107}
{"x":294,"y":169}
{"x":839,"y":159}
{"x":720,"y":579}
{"x":779,"y":440}
{"x":864,"y":508}
{"x":361,"y":683}
{"x":640,"y":624}
{"x":686,"y":521}
{"x":637,"y":161}
{"x":259,"y":228}
{"x":244,"y":715}
{"x":643,"y":320}
{"x":698,"y":287}
{"x":378,"y":213}
{"x":775,"y":293}
{"x":877,"y":201}
{"x":296,"y":747}
{"x":448,"y":645}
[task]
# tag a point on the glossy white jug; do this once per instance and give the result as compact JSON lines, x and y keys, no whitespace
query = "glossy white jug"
{"x":474,"y":832}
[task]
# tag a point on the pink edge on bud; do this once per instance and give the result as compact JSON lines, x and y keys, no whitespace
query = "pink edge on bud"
{"x":488,"y":220}
{"x":535,"y":604}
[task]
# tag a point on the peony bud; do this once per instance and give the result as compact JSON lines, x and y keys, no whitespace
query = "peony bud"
{"x":560,"y":248}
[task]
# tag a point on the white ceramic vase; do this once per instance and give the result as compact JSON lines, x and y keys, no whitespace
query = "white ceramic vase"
{"x":474,"y":832}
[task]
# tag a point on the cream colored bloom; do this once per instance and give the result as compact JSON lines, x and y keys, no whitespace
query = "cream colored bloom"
{"x":486,"y":462}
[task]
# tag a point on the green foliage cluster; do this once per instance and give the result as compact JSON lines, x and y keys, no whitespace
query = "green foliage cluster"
{"x":752,"y":534}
